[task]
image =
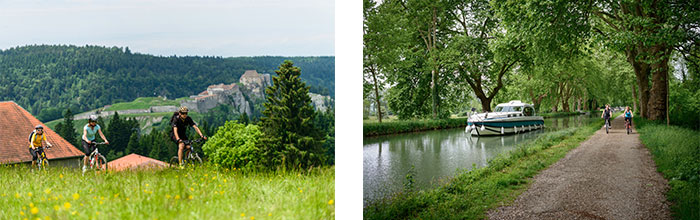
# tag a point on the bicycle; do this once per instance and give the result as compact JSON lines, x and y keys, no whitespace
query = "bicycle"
{"x":607,"y":125}
{"x":628,"y":125}
{"x":189,"y":155}
{"x":96,"y":160}
{"x":42,"y":162}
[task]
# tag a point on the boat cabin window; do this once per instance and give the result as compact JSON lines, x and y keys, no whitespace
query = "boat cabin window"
{"x":508,"y":108}
{"x":528,"y":111}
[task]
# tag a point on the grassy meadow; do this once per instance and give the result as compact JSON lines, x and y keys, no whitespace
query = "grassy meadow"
{"x":144,"y":103}
{"x":676,"y":152}
{"x":202,"y":193}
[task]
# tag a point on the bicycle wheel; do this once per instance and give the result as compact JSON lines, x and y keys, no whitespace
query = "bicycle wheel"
{"x":174,"y":161}
{"x":606,"y":128}
{"x":101,"y":163}
{"x":44,"y":163}
{"x":196,"y":160}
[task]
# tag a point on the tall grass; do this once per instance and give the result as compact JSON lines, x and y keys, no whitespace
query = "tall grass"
{"x":676,"y":152}
{"x":471,"y":193}
{"x":205,"y":193}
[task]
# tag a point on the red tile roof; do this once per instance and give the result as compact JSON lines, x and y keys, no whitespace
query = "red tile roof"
{"x":135,"y":161}
{"x":15,"y":127}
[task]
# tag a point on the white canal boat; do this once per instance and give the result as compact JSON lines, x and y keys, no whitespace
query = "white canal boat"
{"x":508,"y":118}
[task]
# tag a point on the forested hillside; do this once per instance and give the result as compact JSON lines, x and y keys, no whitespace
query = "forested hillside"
{"x":46,"y":80}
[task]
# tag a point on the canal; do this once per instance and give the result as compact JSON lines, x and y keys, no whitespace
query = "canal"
{"x":437,"y":155}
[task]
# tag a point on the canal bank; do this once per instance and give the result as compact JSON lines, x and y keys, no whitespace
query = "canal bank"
{"x":470,"y":193}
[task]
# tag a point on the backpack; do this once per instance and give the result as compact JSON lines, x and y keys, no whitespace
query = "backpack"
{"x":172,"y":123}
{"x":31,"y":135}
{"x":175,"y":115}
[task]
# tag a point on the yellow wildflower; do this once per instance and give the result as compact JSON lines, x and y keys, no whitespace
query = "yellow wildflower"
{"x":177,"y":197}
{"x":66,"y":205}
{"x":242,"y":214}
{"x":127,"y":198}
{"x":31,"y":205}
{"x":191,"y":189}
{"x":73,"y":213}
{"x":97,"y":213}
{"x":269,"y":214}
{"x":29,"y":194}
{"x":16,"y":195}
{"x":167,"y":196}
{"x":34,"y":210}
{"x":146,"y":184}
{"x":101,"y":202}
{"x":116,"y":195}
{"x":76,"y":196}
{"x":190,"y":197}
{"x":61,"y":176}
{"x":213,"y":178}
{"x":47,"y":191}
{"x":56,"y":207}
{"x":330,"y":202}
{"x":21,"y":213}
{"x":252,"y":217}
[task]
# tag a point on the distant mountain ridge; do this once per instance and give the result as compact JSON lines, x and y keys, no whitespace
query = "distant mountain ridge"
{"x":47,"y":79}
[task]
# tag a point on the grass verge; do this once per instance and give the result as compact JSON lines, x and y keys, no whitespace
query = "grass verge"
{"x":203,"y":193}
{"x":470,"y":194}
{"x":394,"y":127}
{"x":676,"y":152}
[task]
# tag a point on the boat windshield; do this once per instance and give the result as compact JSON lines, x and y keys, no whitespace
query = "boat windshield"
{"x":508,"y":108}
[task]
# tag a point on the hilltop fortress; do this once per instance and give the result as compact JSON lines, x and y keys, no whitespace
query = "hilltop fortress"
{"x":249,"y":90}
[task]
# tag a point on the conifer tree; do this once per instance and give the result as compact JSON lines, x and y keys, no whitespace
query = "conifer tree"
{"x":291,"y":138}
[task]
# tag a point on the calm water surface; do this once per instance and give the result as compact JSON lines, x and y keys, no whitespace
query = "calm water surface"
{"x":437,"y":155}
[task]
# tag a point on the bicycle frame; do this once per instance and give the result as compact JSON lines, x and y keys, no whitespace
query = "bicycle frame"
{"x":42,"y":160}
{"x":95,"y":155}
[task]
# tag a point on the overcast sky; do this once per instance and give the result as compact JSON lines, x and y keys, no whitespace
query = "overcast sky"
{"x":175,"y":27}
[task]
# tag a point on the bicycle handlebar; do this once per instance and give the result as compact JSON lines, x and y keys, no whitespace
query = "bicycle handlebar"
{"x":193,"y":141}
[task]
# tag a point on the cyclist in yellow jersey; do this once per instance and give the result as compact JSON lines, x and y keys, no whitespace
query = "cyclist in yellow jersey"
{"x":36,"y":139}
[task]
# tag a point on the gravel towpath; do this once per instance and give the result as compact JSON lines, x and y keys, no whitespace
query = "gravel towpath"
{"x":609,"y":176}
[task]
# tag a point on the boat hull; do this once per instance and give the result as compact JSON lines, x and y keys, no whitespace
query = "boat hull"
{"x":490,"y":127}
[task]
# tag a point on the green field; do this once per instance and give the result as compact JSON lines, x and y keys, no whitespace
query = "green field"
{"x":144,"y":103}
{"x":204,"y":193}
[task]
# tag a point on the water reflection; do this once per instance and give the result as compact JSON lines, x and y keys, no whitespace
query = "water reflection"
{"x":436,"y":155}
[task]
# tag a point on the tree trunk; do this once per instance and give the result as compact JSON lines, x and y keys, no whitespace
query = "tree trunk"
{"x":376,"y":95}
{"x":641,"y":70}
{"x":486,"y":104}
{"x":634,"y":97}
{"x":656,"y":107}
{"x":435,"y":95}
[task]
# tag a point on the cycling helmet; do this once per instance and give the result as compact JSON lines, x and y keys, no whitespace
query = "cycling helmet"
{"x":92,"y":118}
{"x":39,"y":127}
{"x":183,"y":109}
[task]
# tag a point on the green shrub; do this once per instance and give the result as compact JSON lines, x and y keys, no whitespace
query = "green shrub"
{"x":234,"y":145}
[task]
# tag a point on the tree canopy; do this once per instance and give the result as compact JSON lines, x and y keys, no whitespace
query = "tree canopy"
{"x":46,"y":79}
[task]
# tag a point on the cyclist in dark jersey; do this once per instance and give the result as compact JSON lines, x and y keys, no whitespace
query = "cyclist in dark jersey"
{"x":606,"y":115}
{"x":180,"y":125}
